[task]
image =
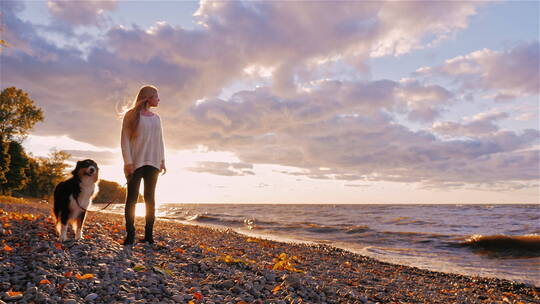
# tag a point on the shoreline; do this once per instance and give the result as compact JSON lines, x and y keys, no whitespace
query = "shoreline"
{"x":206,"y":265}
{"x":469,"y":259}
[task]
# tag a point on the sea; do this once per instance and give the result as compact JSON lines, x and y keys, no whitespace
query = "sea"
{"x":499,"y":241}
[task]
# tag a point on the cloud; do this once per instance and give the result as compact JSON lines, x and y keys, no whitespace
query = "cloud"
{"x":357,"y":185}
{"x":480,"y":124}
{"x":302,"y":117}
{"x":189,"y":65}
{"x":87,"y":12}
{"x":366,"y":144}
{"x":510,"y":73}
{"x":223,"y":168}
{"x":102,"y":158}
{"x":423,"y":102}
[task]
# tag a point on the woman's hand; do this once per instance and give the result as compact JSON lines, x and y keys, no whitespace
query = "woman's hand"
{"x":128,"y":170}
{"x":163,"y":169}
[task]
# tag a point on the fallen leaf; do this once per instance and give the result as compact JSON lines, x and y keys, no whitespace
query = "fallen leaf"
{"x":191,"y":302}
{"x":44,"y":282}
{"x":198,"y":296}
{"x":7,"y":248}
{"x":180,"y":250}
{"x":58,"y":245}
{"x":84,"y":276}
{"x":276,"y":289}
{"x":14,"y":293}
{"x":138,"y":268}
{"x":161,"y":270}
{"x":68,"y":274}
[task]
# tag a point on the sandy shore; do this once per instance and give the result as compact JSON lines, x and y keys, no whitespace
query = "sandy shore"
{"x":190,"y":264}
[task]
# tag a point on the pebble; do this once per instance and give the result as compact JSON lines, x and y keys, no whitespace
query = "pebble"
{"x":180,"y":268}
{"x":91,"y":297}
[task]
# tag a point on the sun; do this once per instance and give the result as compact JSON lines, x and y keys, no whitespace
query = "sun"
{"x":140,"y":209}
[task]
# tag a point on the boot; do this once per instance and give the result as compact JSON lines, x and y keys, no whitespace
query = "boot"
{"x":148,"y":234}
{"x":130,"y":238}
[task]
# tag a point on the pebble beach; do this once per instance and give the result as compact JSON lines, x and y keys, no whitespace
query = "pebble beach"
{"x":193,"y":264}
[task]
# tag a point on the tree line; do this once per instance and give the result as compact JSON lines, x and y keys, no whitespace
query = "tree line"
{"x":22,"y":174}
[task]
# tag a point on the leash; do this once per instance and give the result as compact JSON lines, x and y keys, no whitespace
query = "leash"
{"x":110,"y":203}
{"x":79,"y":205}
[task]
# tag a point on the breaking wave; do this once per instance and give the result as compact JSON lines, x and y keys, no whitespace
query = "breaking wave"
{"x":505,"y":246}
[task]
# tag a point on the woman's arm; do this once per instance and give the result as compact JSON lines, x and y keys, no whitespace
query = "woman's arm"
{"x":126,"y":149}
{"x":162,"y":168}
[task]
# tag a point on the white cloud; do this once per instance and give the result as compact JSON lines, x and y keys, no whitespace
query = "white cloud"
{"x":509,"y":74}
{"x":87,"y":12}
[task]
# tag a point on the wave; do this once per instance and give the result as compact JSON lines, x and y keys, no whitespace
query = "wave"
{"x":405,"y":220}
{"x":357,"y":229}
{"x":505,"y":246}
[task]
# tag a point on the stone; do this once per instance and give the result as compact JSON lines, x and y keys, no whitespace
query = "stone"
{"x":178,"y":298}
{"x":91,"y":297}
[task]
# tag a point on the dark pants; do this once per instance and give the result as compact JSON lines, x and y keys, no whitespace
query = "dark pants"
{"x":150,"y":176}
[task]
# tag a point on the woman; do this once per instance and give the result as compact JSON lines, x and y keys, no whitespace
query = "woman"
{"x":144,"y":157}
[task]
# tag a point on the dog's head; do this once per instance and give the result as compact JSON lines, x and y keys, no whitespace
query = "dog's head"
{"x":86,"y":168}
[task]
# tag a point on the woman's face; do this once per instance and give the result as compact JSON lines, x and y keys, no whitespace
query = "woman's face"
{"x":153,"y":101}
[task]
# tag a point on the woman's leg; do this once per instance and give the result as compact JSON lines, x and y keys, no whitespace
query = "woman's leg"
{"x":150,"y":177}
{"x":134,"y":183}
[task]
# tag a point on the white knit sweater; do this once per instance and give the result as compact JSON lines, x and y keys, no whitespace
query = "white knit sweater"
{"x":147,"y":147}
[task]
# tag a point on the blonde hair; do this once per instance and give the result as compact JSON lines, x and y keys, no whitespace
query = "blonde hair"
{"x":133,"y":115}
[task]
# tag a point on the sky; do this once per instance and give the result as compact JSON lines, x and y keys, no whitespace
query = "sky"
{"x":293,"y":101}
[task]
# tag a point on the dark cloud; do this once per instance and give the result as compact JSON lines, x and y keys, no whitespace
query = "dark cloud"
{"x":478,"y":125}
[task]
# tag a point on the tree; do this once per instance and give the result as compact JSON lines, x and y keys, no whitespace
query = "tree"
{"x":51,"y":171}
{"x":18,"y":114}
{"x":32,"y":187}
{"x":4,"y":160}
{"x":110,"y":191}
{"x":16,"y":178}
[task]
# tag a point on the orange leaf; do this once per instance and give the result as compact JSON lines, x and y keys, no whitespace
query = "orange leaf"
{"x":87,"y":237}
{"x":45,"y":282}
{"x":241,"y":302}
{"x":7,"y":248}
{"x":180,"y":250}
{"x":58,"y":245}
{"x":84,"y":276}
{"x":14,"y":293}
{"x":276,"y":289}
{"x":198,"y":296}
{"x":68,"y":274}
{"x":191,"y":302}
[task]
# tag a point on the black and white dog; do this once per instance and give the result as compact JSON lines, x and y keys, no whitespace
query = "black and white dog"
{"x":72,"y":198}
